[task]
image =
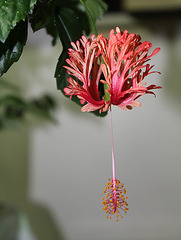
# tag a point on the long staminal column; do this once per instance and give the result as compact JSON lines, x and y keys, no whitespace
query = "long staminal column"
{"x":115,"y":199}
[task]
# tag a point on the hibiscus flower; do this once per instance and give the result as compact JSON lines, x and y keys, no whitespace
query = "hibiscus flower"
{"x":120,"y":63}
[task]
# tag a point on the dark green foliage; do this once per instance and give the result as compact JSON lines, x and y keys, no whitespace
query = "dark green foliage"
{"x":12,"y":12}
{"x":14,"y":108}
{"x":11,"y":49}
{"x":64,"y":20}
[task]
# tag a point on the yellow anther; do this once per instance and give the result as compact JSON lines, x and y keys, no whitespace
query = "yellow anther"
{"x":102,"y":198}
{"x":113,"y":212}
{"x":107,"y":217}
{"x":107,"y":184}
{"x":106,"y":211}
{"x":126,"y":197}
{"x":121,"y":216}
{"x":117,"y":202}
{"x":105,"y":188}
{"x":117,"y":220}
{"x":112,"y":207}
{"x":107,"y":195}
{"x":111,"y":200}
{"x":117,"y":215}
{"x":114,"y":188}
{"x":123,"y":198}
{"x":116,"y":211}
{"x":110,"y":217}
{"x":109,"y":179}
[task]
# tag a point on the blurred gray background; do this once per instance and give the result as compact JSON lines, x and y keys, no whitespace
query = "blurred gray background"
{"x":56,"y":173}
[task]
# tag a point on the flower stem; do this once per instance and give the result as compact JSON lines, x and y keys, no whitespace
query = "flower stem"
{"x":90,"y":18}
{"x":113,"y":161}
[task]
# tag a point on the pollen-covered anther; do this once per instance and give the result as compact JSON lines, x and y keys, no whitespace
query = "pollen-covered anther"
{"x":115,"y":199}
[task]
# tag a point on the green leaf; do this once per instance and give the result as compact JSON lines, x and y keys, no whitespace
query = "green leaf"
{"x":11,"y":49}
{"x":68,"y":26}
{"x":52,"y":31}
{"x":12,"y":12}
{"x":43,"y":16}
{"x":69,"y":31}
{"x":75,"y":6}
{"x":43,"y":13}
{"x":96,"y":8}
{"x":61,"y":73}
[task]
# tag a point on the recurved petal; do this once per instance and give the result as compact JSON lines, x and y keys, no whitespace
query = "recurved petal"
{"x":91,"y":107}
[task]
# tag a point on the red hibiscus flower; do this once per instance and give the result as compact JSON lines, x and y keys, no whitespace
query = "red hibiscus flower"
{"x":119,"y":62}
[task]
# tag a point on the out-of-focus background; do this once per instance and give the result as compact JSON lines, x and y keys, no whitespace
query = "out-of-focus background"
{"x":55,"y":173}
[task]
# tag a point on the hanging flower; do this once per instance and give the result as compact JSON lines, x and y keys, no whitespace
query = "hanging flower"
{"x":110,"y":71}
{"x":119,"y":62}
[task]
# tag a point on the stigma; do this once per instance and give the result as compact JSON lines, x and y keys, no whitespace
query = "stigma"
{"x":115,"y":200}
